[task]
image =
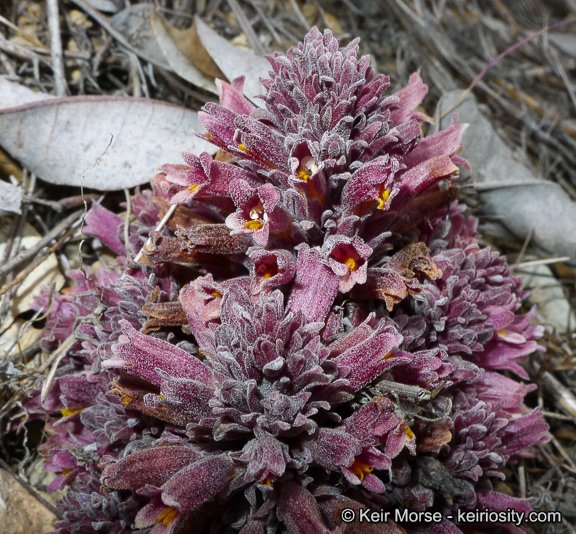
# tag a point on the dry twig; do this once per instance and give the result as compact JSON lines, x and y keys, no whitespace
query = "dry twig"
{"x":25,"y":255}
{"x":56,"y":48}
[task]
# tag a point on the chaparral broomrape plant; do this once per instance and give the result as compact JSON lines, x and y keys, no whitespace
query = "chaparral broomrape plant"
{"x":341,"y":340}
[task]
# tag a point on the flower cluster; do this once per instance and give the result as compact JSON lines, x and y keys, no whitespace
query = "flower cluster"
{"x":86,"y":423}
{"x":333,"y":336}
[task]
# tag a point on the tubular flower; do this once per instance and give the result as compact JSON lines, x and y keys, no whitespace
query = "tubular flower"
{"x":91,"y":424}
{"x":328,"y":157}
{"x":339,"y":343}
{"x":260,"y":398}
{"x":473,"y":443}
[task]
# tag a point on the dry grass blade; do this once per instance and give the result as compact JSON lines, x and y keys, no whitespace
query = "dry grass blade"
{"x":56,"y":357}
{"x":563,"y":397}
{"x":246,"y":27}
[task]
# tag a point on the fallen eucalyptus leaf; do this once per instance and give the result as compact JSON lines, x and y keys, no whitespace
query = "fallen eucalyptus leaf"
{"x":107,"y":6}
{"x":177,"y":60}
{"x":566,"y":42}
{"x":198,"y":54}
{"x":234,"y":62}
{"x":10,"y":197}
{"x":13,"y":94}
{"x":116,"y":142}
{"x":134,"y":23}
{"x":509,"y":190}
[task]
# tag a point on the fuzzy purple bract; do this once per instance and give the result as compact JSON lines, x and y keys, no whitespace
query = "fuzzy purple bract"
{"x":316,"y":330}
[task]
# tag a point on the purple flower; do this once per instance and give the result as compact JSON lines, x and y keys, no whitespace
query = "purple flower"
{"x":482,"y":437}
{"x":91,"y":423}
{"x":257,"y":406}
{"x":271,"y":269}
{"x":104,"y":225}
{"x":326,"y":159}
{"x":316,"y":285}
{"x":202,"y":176}
{"x":257,"y":212}
{"x":338,"y":340}
{"x":348,"y":260}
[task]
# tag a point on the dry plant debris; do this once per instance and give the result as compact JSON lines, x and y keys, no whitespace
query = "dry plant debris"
{"x":528,"y":97}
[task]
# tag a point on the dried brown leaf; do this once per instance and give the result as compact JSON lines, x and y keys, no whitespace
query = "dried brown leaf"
{"x":172,"y":42}
{"x":195,"y":50}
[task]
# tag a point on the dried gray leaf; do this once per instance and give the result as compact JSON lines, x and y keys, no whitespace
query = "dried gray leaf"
{"x":566,"y":42}
{"x":234,"y":62}
{"x":179,"y":63}
{"x":13,"y":94}
{"x":10,"y":197}
{"x":509,"y":190}
{"x":547,"y":293}
{"x":106,"y":6}
{"x":63,"y":138}
{"x":8,"y":369}
{"x":134,"y":24}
